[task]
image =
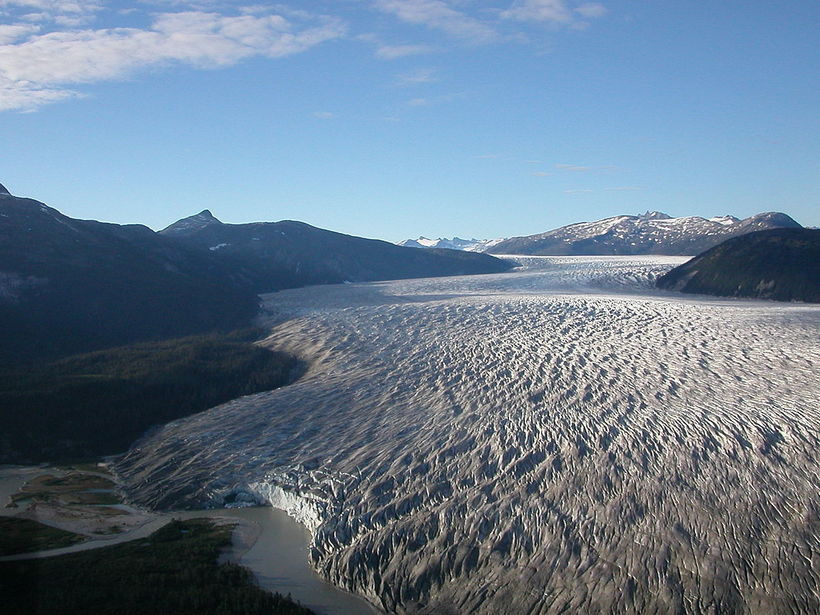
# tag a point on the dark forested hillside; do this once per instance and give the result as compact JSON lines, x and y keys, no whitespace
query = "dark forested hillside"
{"x":97,"y":404}
{"x":779,"y":264}
{"x":174,"y":571}
{"x":71,"y":285}
{"x":276,"y":255}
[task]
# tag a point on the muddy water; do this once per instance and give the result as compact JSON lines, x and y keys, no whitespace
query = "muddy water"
{"x":278,"y":558}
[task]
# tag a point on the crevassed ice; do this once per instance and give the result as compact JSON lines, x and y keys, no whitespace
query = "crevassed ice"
{"x":562,"y":438}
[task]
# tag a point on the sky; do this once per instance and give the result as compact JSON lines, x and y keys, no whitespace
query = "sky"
{"x":399,"y":118}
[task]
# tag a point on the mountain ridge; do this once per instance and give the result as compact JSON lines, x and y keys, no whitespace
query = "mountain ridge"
{"x":456,"y":243}
{"x":69,"y":285}
{"x":780,"y":264}
{"x":651,"y":233}
{"x":287,"y":253}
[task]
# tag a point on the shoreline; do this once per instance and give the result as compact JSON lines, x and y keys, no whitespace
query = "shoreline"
{"x":265,"y":540}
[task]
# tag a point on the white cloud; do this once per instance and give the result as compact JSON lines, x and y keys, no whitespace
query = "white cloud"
{"x":439,"y":15}
{"x":435,"y":100}
{"x":11,"y":33}
{"x":577,"y":168}
{"x":324,"y":115}
{"x":624,"y":189}
{"x":554,"y":11}
{"x":539,"y":10}
{"x":54,"y":6}
{"x":73,"y":21}
{"x":578,"y":191}
{"x":33,"y":72}
{"x":62,"y":12}
{"x":591,"y":10}
{"x":418,"y":76}
{"x":391,"y":52}
{"x":23,"y":96}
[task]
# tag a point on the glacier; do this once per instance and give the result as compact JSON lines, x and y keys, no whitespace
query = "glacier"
{"x":562,"y":438}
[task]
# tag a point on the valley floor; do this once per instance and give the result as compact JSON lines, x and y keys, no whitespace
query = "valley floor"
{"x":563,"y":438}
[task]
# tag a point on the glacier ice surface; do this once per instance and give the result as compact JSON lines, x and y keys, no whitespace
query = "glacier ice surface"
{"x":563,"y":438}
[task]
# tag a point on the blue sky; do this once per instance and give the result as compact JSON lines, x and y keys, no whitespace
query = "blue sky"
{"x":399,"y":118}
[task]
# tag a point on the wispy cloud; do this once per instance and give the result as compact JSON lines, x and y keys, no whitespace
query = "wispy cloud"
{"x":418,"y":76}
{"x":9,"y":34}
{"x":624,"y":189}
{"x":324,"y":115}
{"x":69,"y":13}
{"x":578,"y":191}
{"x":557,"y":12}
{"x":37,"y":70}
{"x":573,"y":167}
{"x":577,"y":168}
{"x":539,"y":10}
{"x":592,"y":10}
{"x":439,"y":15}
{"x":50,"y":49}
{"x":434,"y":100}
{"x":391,"y":52}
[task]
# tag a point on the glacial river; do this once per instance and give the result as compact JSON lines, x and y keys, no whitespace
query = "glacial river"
{"x":278,"y":558}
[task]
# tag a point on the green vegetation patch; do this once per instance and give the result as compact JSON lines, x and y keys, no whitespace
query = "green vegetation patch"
{"x":24,"y":536}
{"x":173,"y":571}
{"x":73,"y":488}
{"x":97,"y":404}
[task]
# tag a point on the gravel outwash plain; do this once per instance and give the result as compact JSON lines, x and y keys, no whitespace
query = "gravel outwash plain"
{"x":560,"y":439}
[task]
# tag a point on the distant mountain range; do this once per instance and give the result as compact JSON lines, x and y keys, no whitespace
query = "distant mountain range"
{"x":781,"y":264}
{"x":70,"y":285}
{"x":652,"y":233}
{"x":456,"y":243}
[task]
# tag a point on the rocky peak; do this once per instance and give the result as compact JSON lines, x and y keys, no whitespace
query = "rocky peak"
{"x":655,"y":215}
{"x":191,"y":224}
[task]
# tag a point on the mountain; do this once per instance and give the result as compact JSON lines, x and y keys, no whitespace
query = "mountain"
{"x":276,"y":255}
{"x":781,"y":264}
{"x":456,"y":243}
{"x":71,"y":285}
{"x":652,"y":233}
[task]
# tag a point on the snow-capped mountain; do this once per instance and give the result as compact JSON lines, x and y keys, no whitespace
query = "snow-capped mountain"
{"x":456,"y":243}
{"x":651,"y":233}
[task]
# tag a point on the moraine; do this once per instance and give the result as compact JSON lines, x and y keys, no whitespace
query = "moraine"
{"x":561,"y":438}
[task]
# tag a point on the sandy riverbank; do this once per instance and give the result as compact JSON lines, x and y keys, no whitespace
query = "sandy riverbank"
{"x":265,"y":540}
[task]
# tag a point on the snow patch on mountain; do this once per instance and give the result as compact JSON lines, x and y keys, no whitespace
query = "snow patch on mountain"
{"x":456,"y":243}
{"x":650,"y":233}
